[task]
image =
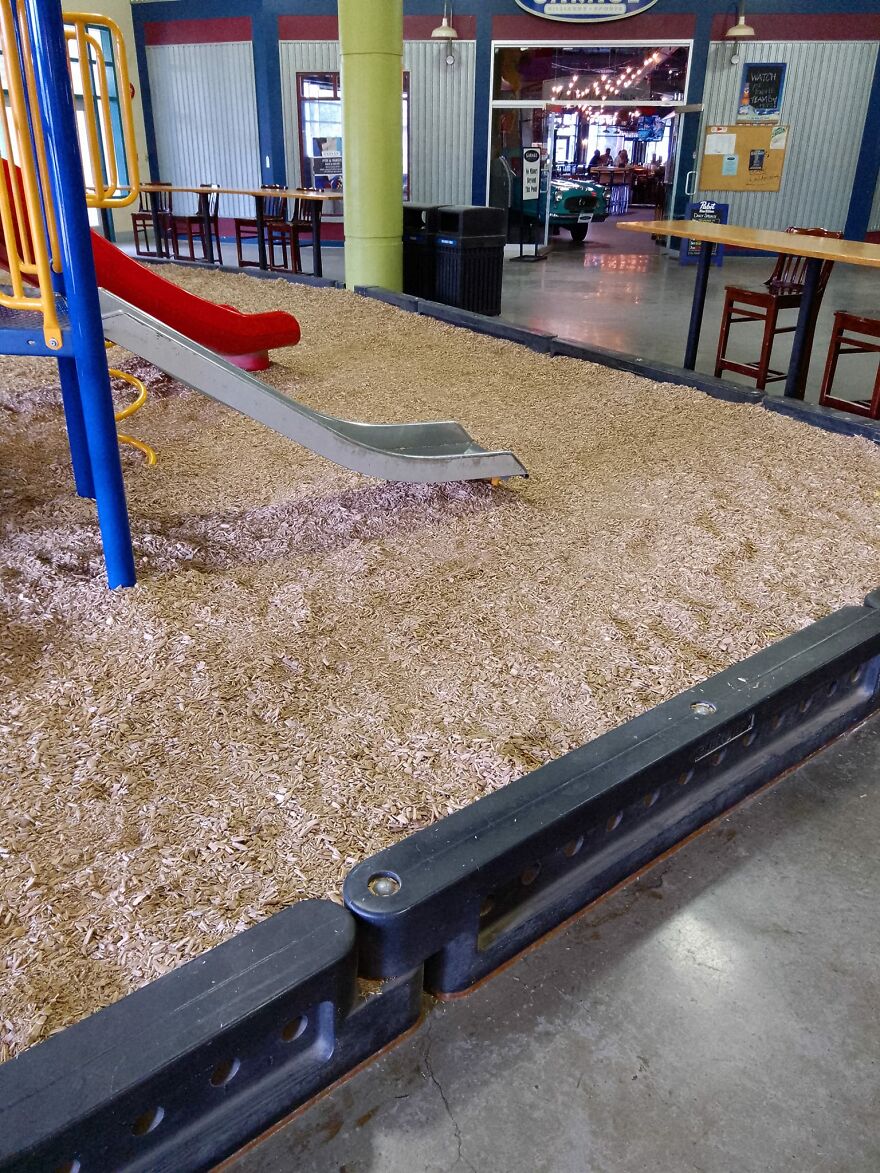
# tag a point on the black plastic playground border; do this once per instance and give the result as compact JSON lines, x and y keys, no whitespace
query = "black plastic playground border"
{"x":180,"y":1074}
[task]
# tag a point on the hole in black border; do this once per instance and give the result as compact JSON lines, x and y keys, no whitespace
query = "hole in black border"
{"x":530,"y":874}
{"x":225,"y":1072}
{"x":73,"y":1166}
{"x":573,"y":846}
{"x":294,"y":1029}
{"x":685,"y":777}
{"x":614,"y":822}
{"x":148,"y":1121}
{"x":486,"y":907}
{"x":651,"y":797}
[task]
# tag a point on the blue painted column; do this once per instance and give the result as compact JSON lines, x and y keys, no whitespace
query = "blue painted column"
{"x":482,"y":104}
{"x":688,"y":141}
{"x":81,"y":287}
{"x":867,"y":168}
{"x":270,"y":111}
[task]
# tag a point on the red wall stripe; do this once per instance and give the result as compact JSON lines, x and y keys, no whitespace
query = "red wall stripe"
{"x":197,"y":32}
{"x":652,"y":26}
{"x":836,"y":26}
{"x":308,"y":28}
{"x":326,"y":28}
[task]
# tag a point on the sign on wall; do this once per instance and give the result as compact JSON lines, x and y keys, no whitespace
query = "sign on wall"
{"x":760,"y":98}
{"x":585,"y":11}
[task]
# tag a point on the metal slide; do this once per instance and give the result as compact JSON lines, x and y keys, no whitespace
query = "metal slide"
{"x":425,"y":453}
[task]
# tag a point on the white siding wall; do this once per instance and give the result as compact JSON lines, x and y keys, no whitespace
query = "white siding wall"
{"x":441,"y":113}
{"x":441,"y":131}
{"x":205,"y":113}
{"x":826,"y":118}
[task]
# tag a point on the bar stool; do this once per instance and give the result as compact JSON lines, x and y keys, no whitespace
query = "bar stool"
{"x":162,"y":203}
{"x":246,"y":227}
{"x":285,"y":234}
{"x":783,"y":291}
{"x":844,"y":343}
{"x":193,"y":227}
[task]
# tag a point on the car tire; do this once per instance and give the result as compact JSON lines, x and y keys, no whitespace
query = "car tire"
{"x":579,"y":232}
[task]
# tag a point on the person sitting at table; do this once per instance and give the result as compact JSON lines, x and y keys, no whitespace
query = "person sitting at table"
{"x":622,"y":158}
{"x":606,"y":160}
{"x":596,"y":159}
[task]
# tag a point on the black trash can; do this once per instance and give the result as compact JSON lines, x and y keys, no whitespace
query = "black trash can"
{"x":419,"y":255}
{"x":470,"y":257}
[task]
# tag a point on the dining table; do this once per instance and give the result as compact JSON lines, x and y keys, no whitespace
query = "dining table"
{"x":815,"y":249}
{"x":315,"y":198}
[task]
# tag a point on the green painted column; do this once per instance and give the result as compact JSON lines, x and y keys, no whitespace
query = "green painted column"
{"x":371,"y":46}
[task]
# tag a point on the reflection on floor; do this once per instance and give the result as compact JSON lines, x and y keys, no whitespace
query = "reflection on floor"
{"x":638,"y":302}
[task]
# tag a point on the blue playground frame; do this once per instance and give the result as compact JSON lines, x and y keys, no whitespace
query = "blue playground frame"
{"x":82,"y":362}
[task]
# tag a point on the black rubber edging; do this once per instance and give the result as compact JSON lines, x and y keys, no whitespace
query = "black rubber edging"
{"x":248,"y":271}
{"x":829,"y":419}
{"x":468,"y":893}
{"x":538,"y":340}
{"x":184,"y":1071}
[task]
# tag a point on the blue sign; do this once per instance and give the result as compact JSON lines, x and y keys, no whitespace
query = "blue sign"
{"x":710,"y":213}
{"x":585,"y":11}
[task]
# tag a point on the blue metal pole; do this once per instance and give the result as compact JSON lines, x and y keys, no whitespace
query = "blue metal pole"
{"x":81,"y":287}
{"x":71,"y":397}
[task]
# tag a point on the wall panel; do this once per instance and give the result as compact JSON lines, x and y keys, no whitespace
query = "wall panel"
{"x":825,"y":117}
{"x":205,"y":112}
{"x":441,"y":113}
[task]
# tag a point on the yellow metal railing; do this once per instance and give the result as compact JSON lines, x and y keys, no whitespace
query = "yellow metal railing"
{"x":105,"y":189}
{"x":21,"y":210}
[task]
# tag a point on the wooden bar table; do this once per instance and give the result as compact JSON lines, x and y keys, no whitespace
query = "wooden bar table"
{"x":316,"y":198}
{"x":815,"y":248}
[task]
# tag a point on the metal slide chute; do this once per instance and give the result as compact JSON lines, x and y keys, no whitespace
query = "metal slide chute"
{"x":419,"y":453}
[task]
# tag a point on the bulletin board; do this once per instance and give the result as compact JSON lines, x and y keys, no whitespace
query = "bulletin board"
{"x":743,"y":158}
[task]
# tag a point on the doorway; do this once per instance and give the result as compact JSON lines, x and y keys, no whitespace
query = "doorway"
{"x":604,"y":118}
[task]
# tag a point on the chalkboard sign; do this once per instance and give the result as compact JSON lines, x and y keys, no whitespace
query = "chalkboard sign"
{"x":761,"y":92}
{"x":709,"y":212}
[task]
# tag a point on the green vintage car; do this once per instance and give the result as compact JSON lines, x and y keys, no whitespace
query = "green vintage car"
{"x":574,"y":204}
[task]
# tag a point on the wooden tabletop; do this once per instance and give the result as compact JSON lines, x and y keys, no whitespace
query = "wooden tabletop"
{"x":823,"y":248}
{"x":298,"y":193}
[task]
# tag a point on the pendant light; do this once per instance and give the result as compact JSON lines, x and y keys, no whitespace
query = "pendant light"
{"x":445,"y":31}
{"x":740,"y":29}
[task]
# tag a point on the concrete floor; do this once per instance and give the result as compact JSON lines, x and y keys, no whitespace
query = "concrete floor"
{"x":719,"y":1015}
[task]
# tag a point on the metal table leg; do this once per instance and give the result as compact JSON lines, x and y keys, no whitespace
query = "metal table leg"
{"x":261,"y":234}
{"x":796,"y":381}
{"x":702,"y":280}
{"x":317,"y":264}
{"x":207,"y":235}
{"x":157,"y":223}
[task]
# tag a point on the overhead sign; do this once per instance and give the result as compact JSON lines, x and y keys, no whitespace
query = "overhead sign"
{"x":585,"y":11}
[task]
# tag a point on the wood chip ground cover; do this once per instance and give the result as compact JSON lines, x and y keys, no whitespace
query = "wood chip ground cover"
{"x":314,"y":665}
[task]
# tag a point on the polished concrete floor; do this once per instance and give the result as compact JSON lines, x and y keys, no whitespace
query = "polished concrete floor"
{"x":719,"y":1015}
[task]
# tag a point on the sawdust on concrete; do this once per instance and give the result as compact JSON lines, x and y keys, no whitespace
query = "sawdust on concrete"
{"x":314,"y":664}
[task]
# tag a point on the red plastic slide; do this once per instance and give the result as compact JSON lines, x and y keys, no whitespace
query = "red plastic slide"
{"x":244,"y":339}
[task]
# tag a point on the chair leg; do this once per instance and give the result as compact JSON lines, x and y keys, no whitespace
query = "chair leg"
{"x":218,"y":252}
{"x":766,"y":346}
{"x":238,"y":244}
{"x":831,"y":363}
{"x":875,"y":398}
{"x":724,"y":333}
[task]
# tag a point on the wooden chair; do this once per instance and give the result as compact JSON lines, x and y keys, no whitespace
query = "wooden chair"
{"x":285,"y":234}
{"x":783,"y":291}
{"x":192,"y":228}
{"x":142,"y":221}
{"x":842,"y":342}
{"x":274,"y":209}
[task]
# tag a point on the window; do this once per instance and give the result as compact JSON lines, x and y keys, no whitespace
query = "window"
{"x":319,"y":102}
